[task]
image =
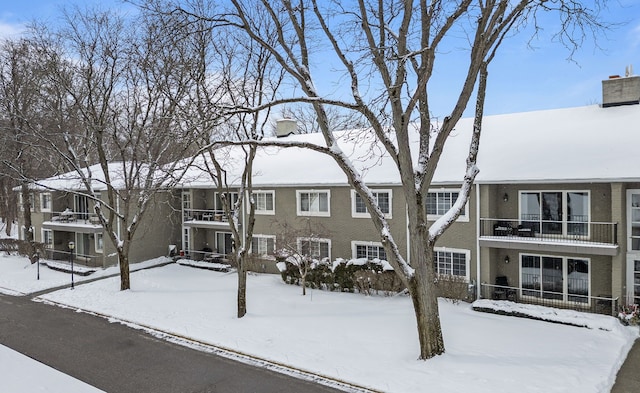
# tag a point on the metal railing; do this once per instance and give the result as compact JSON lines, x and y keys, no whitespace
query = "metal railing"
{"x":592,"y":304}
{"x":79,"y":259}
{"x":71,"y":217}
{"x":204,"y":215}
{"x":209,"y":256}
{"x":553,"y":231}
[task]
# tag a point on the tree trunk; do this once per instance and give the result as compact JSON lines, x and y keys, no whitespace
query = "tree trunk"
{"x":123,"y":260}
{"x":422,"y":289}
{"x":242,"y":287}
{"x":28,"y":226}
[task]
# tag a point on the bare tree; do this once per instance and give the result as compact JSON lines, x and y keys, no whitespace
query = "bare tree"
{"x":388,"y":50}
{"x":301,"y":254}
{"x":121,"y":82}
{"x":22,"y":95}
{"x":231,"y":73}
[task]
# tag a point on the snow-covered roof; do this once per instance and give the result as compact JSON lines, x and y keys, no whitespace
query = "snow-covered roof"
{"x":580,"y":144}
{"x":583,"y":144}
{"x":73,"y":181}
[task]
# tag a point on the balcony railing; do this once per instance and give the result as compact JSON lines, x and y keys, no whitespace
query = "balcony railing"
{"x":552,"y":231}
{"x":79,"y":259}
{"x":592,"y":304}
{"x":71,"y":217}
{"x":204,"y":215}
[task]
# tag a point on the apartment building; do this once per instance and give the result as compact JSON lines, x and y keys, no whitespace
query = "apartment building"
{"x":554,"y":216}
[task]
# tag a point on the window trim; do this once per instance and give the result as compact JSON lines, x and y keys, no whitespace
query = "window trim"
{"x":266,"y":237}
{"x":355,"y":196}
{"x":265,"y":212}
{"x":467,"y":261}
{"x":42,"y":237}
{"x":299,"y":241}
{"x":356,"y":243}
{"x":95,"y":242}
{"x":42,"y":208}
{"x":565,"y":288}
{"x":463,"y":217}
{"x":313,"y":213}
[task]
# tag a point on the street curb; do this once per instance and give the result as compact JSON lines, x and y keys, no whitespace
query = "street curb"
{"x":227,"y":353}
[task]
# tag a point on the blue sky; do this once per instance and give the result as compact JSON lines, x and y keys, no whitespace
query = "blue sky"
{"x":521,"y":78}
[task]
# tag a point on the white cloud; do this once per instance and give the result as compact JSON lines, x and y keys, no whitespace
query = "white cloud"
{"x":11,"y":30}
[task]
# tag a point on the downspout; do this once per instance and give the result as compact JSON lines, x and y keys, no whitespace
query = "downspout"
{"x":408,"y":236}
{"x":478,"y":241}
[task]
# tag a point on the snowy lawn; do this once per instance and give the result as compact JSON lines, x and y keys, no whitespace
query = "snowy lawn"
{"x":369,"y":341}
{"x":18,"y":276}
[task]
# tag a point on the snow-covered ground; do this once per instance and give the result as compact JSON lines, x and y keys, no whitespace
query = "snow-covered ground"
{"x":370,"y":341}
{"x":21,"y":374}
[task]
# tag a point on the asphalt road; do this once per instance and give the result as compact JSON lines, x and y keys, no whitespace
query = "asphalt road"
{"x":115,"y":358}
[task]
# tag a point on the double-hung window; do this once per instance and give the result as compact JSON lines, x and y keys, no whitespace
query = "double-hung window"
{"x":452,"y":262}
{"x":313,"y":203}
{"x":47,"y":237}
{"x":556,"y":212}
{"x":99,"y":242}
{"x":383,"y":200}
{"x":368,"y":250}
{"x":264,"y":202}
{"x":45,"y":202}
{"x":440,"y":201}
{"x":314,"y":248}
{"x":263,"y":244}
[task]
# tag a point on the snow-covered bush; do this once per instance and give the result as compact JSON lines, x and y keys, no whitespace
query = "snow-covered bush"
{"x":630,"y":315}
{"x":353,"y":275}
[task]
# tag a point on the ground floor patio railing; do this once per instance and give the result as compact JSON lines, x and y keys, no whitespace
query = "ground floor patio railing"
{"x":592,"y":304}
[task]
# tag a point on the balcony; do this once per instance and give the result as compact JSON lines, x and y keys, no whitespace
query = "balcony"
{"x":598,"y":238}
{"x":543,"y":296}
{"x":204,"y":218}
{"x":70,"y":221}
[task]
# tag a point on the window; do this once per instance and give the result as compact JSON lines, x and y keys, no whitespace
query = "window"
{"x":368,"y":250}
{"x":635,"y":280}
{"x":47,"y":237}
{"x":439,"y":202}
{"x":382,"y":197}
{"x":99,"y":242}
{"x":263,"y":244}
{"x":224,"y":243}
{"x":556,"y":212}
{"x":217,"y":201}
{"x":32,"y":202}
{"x":45,"y":202}
{"x":452,"y":262}
{"x":264,"y":201}
{"x":633,"y":219}
{"x":313,"y":203}
{"x":551,"y":277}
{"x":314,"y":248}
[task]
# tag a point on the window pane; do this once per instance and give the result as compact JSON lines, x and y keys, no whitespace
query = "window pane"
{"x":323,"y":202}
{"x":552,"y":280}
{"x":268,"y":205}
{"x":530,"y":206}
{"x":578,"y":280}
{"x":431,"y":203}
{"x":304,"y":202}
{"x":383,"y":201}
{"x":324,"y":250}
{"x":552,"y":212}
{"x":530,"y":275}
{"x":360,"y":207}
{"x":444,"y":202}
{"x":459,"y":264}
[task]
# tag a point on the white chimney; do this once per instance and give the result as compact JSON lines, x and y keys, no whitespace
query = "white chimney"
{"x":286,"y":127}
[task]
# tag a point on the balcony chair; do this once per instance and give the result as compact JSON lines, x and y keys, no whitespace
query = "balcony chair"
{"x":501,"y":290}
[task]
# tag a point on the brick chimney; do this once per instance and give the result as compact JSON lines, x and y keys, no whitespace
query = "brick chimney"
{"x":621,"y":90}
{"x":286,"y":127}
